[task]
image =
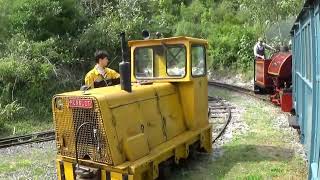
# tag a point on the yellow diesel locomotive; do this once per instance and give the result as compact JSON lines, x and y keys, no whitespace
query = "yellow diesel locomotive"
{"x":158,"y":113}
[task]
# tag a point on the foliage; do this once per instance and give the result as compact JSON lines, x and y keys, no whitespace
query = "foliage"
{"x":281,"y":9}
{"x":104,"y":32}
{"x":28,"y":70}
{"x":230,"y":44}
{"x":42,"y":19}
{"x":10,"y":112}
{"x":260,"y":12}
{"x":4,"y":21}
{"x":194,"y":21}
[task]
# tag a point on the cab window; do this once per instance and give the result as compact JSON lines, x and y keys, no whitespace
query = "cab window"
{"x":143,"y":62}
{"x":176,"y":61}
{"x":198,"y":54}
{"x":161,"y":61}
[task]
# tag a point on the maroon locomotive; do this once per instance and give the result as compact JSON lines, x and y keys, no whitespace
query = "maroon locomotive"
{"x":274,"y":76}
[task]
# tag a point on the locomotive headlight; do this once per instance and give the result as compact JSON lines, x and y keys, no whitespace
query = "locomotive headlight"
{"x":59,"y":103}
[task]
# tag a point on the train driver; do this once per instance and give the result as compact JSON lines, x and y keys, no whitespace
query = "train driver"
{"x":259,"y":49}
{"x":101,"y":75}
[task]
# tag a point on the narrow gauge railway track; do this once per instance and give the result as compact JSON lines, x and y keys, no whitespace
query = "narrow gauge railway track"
{"x":27,"y":139}
{"x":240,"y":90}
{"x":219,"y":115}
{"x":292,"y":122}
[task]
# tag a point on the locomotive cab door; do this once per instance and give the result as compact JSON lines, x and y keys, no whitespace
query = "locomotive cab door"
{"x":262,"y":81}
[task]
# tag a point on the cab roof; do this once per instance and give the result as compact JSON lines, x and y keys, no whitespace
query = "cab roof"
{"x":171,"y":39}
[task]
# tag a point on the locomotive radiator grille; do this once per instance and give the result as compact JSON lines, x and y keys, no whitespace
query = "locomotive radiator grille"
{"x":92,"y":139}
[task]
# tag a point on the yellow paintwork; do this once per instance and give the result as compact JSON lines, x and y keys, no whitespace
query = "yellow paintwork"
{"x":68,"y":170}
{"x":143,"y":128}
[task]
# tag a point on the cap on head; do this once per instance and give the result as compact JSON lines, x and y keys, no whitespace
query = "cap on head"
{"x":100,"y":54}
{"x":260,"y":39}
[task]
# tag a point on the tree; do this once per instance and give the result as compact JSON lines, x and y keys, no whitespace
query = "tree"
{"x":5,"y":25}
{"x":42,"y":19}
{"x":261,"y":12}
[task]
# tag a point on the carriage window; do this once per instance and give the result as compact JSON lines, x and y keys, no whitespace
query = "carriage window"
{"x":176,"y":61}
{"x":143,"y":62}
{"x":198,"y":60}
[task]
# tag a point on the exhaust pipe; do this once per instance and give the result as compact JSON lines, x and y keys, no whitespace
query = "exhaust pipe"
{"x":124,"y":66}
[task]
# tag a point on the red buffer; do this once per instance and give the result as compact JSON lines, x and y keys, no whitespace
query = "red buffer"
{"x":286,"y":101}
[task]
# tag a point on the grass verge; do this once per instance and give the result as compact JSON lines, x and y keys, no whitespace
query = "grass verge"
{"x":28,"y":162}
{"x":25,"y":126}
{"x":227,"y":73}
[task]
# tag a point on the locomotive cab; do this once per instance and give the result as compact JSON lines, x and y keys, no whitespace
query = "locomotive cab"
{"x":110,"y":133}
{"x":168,"y":60}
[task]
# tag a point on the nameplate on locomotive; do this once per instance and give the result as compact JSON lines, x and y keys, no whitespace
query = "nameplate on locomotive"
{"x":80,"y":103}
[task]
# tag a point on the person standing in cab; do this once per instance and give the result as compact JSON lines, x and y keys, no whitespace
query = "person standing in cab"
{"x":101,"y":75}
{"x":259,"y":49}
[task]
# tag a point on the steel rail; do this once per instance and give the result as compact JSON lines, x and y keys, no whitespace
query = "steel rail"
{"x":27,"y":139}
{"x":227,"y":119}
{"x":245,"y":91}
{"x":240,"y":90}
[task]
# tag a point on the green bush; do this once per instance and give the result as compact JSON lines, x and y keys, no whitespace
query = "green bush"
{"x":33,"y":72}
{"x":195,"y":20}
{"x":104,"y":32}
{"x":4,"y":21}
{"x":11,"y":111}
{"x":49,"y":51}
{"x":42,"y":19}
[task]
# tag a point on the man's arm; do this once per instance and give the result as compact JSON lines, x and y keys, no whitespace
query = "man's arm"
{"x":269,"y":47}
{"x":113,"y":75}
{"x":89,"y":80}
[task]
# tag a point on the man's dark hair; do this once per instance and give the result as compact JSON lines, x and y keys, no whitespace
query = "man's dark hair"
{"x":100,"y":54}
